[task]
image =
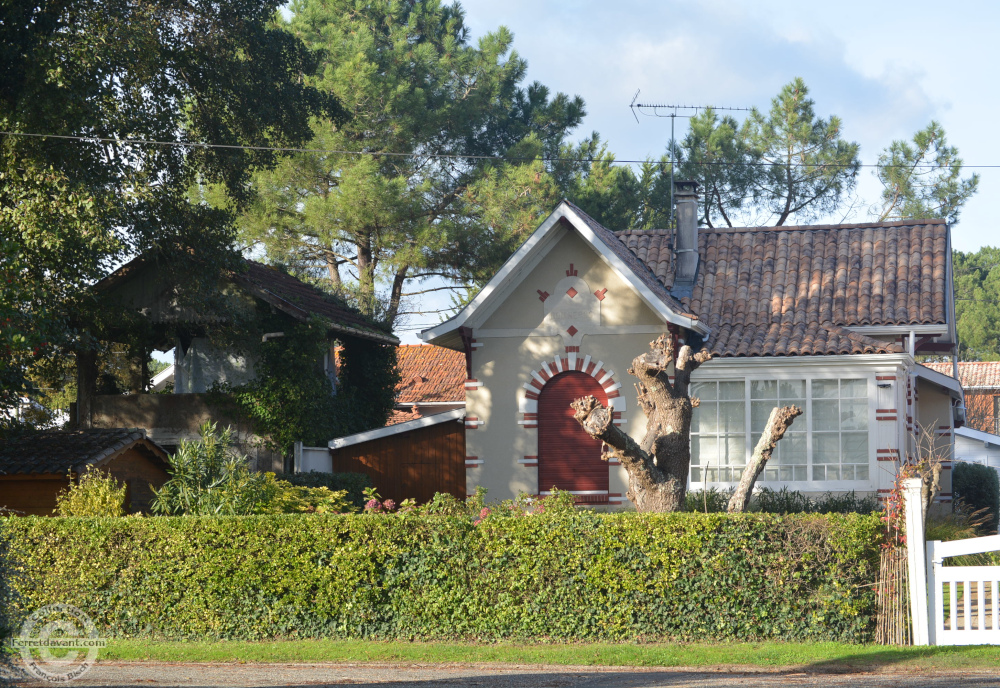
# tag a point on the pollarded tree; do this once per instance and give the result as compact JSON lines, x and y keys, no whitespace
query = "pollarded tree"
{"x":658,"y":466}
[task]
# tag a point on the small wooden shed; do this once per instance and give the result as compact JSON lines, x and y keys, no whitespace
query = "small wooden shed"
{"x":36,"y":467}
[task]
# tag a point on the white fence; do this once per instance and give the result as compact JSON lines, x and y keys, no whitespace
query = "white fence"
{"x":962,"y":600}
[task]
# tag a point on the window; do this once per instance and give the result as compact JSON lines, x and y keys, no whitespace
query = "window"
{"x":718,"y":431}
{"x":828,"y":442}
{"x":790,"y":460}
{"x":840,"y":429}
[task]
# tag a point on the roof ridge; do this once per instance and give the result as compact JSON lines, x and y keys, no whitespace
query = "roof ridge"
{"x":824,"y":227}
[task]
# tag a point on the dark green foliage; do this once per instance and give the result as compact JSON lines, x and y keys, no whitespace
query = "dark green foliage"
{"x":291,"y":398}
{"x":977,"y":486}
{"x":977,"y":304}
{"x":551,"y":575}
{"x":190,"y":72}
{"x":784,"y":501}
{"x":354,"y":483}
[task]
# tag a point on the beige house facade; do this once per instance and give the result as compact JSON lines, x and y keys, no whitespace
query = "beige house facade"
{"x":577,"y":302}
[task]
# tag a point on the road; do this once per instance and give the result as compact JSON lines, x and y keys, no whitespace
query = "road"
{"x":107,"y":674}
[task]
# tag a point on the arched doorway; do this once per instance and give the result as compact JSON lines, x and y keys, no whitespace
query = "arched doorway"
{"x":568,"y":458}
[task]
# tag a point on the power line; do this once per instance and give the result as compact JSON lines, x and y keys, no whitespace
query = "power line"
{"x":439,"y":156}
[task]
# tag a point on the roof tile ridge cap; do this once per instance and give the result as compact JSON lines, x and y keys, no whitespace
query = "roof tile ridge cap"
{"x":848,"y":225}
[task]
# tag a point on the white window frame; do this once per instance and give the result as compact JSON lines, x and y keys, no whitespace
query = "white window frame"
{"x":707,"y":373}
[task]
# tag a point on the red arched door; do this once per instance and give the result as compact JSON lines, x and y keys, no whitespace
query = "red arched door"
{"x":568,"y":458}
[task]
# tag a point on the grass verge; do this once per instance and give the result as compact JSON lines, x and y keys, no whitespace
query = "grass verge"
{"x":824,"y":656}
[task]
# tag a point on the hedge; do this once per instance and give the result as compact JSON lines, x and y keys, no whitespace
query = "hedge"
{"x":570,"y":576}
{"x":978,"y":487}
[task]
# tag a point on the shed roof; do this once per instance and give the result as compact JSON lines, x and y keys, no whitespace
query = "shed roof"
{"x":62,"y":451}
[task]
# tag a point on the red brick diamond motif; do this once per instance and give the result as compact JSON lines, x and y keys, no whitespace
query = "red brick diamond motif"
{"x":572,"y":292}
{"x":572,"y":331}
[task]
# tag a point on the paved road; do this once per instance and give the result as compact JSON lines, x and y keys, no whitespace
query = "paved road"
{"x":106,"y":674}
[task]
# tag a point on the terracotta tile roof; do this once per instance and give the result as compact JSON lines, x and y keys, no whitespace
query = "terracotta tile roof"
{"x":302,"y":301}
{"x":981,"y":374}
{"x":784,"y":291}
{"x":430,"y":374}
{"x":61,"y":451}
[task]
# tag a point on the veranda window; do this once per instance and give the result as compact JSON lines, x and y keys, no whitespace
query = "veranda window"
{"x":718,"y":431}
{"x":829,"y":442}
{"x":840,"y":429}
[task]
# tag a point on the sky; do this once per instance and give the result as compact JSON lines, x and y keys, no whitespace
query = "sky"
{"x":886,"y":68}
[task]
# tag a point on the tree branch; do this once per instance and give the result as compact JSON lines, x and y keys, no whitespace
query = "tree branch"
{"x":777,"y":425}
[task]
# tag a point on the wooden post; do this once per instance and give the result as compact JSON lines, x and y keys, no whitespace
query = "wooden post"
{"x":917,"y":567}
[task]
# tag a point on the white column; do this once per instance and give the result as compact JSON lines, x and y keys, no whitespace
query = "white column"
{"x":916,"y":560}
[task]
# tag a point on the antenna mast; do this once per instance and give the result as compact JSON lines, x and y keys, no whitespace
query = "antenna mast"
{"x":656,"y":107}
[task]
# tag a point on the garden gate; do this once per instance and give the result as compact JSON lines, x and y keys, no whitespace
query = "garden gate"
{"x":962,"y":600}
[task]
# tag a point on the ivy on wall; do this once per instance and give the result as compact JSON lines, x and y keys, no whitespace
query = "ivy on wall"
{"x":291,"y":398}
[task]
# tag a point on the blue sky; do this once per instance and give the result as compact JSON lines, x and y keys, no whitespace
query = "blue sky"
{"x":886,"y":68}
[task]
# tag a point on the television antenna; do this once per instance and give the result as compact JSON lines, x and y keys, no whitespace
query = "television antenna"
{"x":655,"y":108}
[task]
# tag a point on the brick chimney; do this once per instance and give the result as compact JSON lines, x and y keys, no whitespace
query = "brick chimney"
{"x":686,"y":238}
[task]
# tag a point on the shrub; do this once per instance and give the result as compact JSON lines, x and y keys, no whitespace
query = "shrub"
{"x":207,"y":478}
{"x":95,"y":494}
{"x":978,"y":487}
{"x":784,"y":501}
{"x":294,"y":499}
{"x":353,"y":483}
{"x":510,"y":573}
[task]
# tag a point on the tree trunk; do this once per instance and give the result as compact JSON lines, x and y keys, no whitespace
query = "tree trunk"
{"x":658,"y":467}
{"x":777,"y":426}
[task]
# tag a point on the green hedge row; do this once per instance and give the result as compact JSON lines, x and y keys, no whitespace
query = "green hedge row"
{"x":544,"y":576}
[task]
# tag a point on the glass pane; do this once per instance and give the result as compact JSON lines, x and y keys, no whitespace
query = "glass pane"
{"x":696,"y":475}
{"x":703,"y":390}
{"x":760,"y":411}
{"x":732,"y":416}
{"x":793,"y":449}
{"x":764,"y":389}
{"x":854,"y":447}
{"x":854,"y":415}
{"x":792,"y":389}
{"x":703,"y":418}
{"x":825,"y":389}
{"x":736,"y":450}
{"x":861,"y":472}
{"x":854,"y":388}
{"x":732,"y":390}
{"x":799,"y":472}
{"x":826,"y":415}
{"x":819,"y":472}
{"x":704,"y":450}
{"x":826,"y":448}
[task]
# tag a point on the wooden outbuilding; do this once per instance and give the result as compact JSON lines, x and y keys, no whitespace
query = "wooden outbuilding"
{"x":36,"y":467}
